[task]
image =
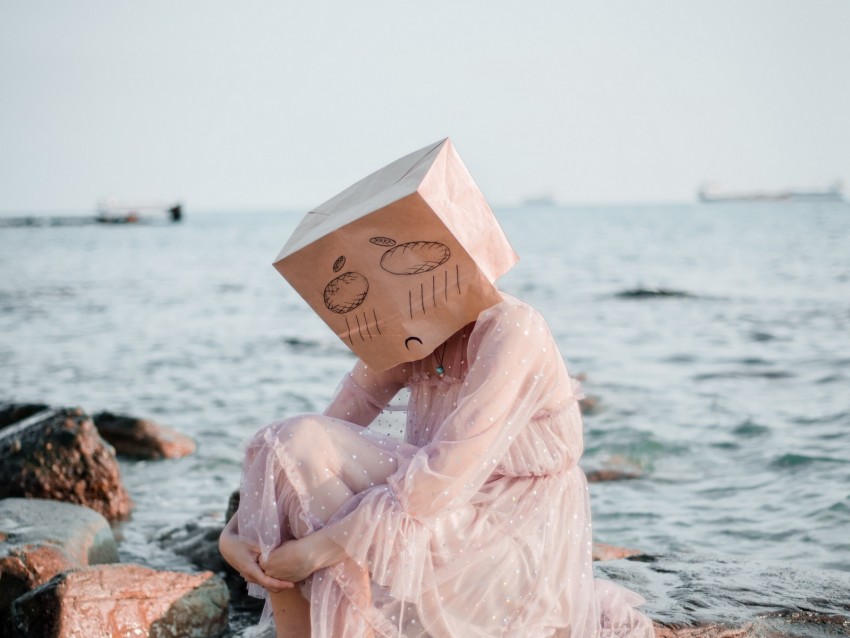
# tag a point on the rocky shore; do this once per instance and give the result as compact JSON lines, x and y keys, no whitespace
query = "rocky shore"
{"x":61,"y":492}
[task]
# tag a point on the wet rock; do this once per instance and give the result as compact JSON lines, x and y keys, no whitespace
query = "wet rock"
{"x":603,"y":551}
{"x":123,"y":600}
{"x":232,"y":505}
{"x":198,"y":542}
{"x":142,"y":438}
{"x":589,"y":405}
{"x":39,"y":539}
{"x":794,"y":623}
{"x":699,"y":596}
{"x":599,"y":476}
{"x":810,"y":626}
{"x":57,"y":454}
{"x":702,"y":631}
{"x":13,"y":412}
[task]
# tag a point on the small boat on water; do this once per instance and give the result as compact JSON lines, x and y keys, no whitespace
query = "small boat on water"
{"x":112,"y":211}
{"x":544,"y":200}
{"x":710,"y":194}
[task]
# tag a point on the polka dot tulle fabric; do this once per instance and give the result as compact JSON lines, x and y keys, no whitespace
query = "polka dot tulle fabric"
{"x":476,"y":524}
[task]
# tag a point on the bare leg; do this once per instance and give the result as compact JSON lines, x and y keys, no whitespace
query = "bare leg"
{"x":291,"y":614}
{"x":336,"y":462}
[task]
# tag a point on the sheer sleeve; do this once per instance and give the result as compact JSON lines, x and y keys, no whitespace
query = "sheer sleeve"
{"x":363,"y":393}
{"x":514,"y":372}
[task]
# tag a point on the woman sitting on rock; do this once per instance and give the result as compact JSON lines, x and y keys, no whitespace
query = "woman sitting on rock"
{"x":478,"y":523}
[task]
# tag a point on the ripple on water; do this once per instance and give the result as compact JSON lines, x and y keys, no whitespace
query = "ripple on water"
{"x":726,"y":445}
{"x":750,"y":429}
{"x":653,"y":293}
{"x":837,"y":417}
{"x":631,"y":447}
{"x":680,"y":358}
{"x":793,"y":461}
{"x":762,"y":336}
{"x":738,"y":374}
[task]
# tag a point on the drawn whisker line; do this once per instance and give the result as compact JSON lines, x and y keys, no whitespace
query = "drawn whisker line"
{"x":433,"y":290}
{"x":366,"y":322}
{"x":358,"y":328}
{"x":446,"y":286}
{"x":410,"y":302}
{"x":457,"y":275}
{"x":348,"y":328}
{"x":422,"y":296}
{"x":377,"y":327}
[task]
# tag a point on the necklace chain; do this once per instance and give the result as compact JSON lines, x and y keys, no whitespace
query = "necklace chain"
{"x":440,"y":369}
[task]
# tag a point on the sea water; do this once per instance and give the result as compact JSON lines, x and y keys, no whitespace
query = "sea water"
{"x":715,"y":338}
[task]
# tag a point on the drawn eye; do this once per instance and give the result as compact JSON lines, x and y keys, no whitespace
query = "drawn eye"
{"x":346,"y":292}
{"x":339,"y":263}
{"x":382,"y":241}
{"x":415,"y":257}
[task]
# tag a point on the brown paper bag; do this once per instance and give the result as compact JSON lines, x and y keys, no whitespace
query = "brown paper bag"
{"x":401,"y":260}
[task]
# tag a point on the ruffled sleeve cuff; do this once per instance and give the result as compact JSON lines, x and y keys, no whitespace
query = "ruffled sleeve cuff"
{"x":577,"y":390}
{"x":381,"y":537}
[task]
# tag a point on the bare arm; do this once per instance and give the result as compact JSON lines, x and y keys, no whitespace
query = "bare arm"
{"x":295,"y":560}
{"x":364,"y":392}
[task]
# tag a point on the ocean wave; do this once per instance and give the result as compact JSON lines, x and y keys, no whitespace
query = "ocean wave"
{"x":792,"y":460}
{"x":653,"y":293}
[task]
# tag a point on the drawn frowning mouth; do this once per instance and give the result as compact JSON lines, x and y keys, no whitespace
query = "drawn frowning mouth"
{"x":409,"y":339}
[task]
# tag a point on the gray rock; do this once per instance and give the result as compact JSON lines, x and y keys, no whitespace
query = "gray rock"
{"x":11,"y":413}
{"x":124,"y":600}
{"x":198,"y":542}
{"x":232,"y":505}
{"x":40,"y":538}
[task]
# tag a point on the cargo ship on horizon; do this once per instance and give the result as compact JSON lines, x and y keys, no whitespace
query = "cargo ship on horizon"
{"x":710,"y":194}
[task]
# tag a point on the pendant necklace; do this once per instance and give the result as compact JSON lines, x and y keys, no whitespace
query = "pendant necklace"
{"x":440,"y":369}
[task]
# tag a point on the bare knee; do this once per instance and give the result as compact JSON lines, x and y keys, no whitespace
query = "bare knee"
{"x":291,"y":432}
{"x":303,"y":433}
{"x":304,"y":440}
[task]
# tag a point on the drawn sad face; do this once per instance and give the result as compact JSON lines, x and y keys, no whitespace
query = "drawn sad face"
{"x":422,"y":282}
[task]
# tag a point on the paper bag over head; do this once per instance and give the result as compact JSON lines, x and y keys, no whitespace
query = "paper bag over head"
{"x":401,"y":260}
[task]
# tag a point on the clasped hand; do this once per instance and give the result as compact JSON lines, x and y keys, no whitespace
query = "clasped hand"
{"x":289,"y":562}
{"x":284,"y":566}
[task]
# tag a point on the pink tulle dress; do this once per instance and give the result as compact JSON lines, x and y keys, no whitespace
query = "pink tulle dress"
{"x":476,"y":525}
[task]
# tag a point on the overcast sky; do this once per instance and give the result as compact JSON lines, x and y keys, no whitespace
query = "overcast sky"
{"x":279,"y":105}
